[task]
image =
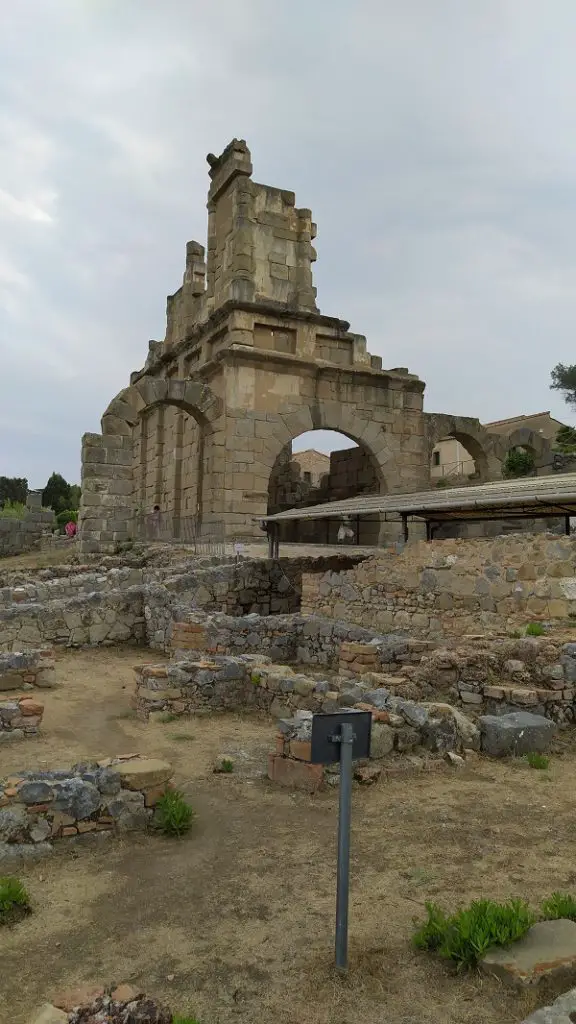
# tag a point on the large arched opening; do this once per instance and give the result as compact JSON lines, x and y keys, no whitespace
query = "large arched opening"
{"x":317,"y":467}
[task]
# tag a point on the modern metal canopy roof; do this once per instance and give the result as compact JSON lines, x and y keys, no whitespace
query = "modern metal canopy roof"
{"x":527,"y":497}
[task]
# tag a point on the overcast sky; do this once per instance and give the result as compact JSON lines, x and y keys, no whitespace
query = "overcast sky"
{"x":434,"y":140}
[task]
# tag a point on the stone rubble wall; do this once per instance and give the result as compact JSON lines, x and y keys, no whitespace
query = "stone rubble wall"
{"x":481,"y":674}
{"x":99,"y":618}
{"x":225,"y":683}
{"x":286,"y":638}
{"x":17,"y":536}
{"x":453,"y":586}
{"x":476,"y":673}
{"x":24,"y":671}
{"x":136,"y":604}
{"x":256,"y":587}
{"x":20,"y":718}
{"x":37,"y":807}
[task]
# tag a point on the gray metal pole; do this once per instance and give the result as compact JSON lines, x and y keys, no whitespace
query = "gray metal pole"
{"x":343,"y":882}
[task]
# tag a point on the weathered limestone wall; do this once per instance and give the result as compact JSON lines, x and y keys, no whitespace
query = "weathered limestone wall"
{"x":453,"y":586}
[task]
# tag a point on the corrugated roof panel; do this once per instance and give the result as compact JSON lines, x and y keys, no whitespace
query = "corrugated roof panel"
{"x":548,"y":495}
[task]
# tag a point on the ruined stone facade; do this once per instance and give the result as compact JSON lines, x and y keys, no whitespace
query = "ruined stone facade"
{"x":248,"y":364}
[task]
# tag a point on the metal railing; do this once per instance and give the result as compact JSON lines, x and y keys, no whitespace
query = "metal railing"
{"x":167,"y":528}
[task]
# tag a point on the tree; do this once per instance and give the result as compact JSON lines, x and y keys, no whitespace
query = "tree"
{"x":566,"y":439}
{"x":564,"y":379}
{"x":56,"y":494}
{"x":14,"y":489}
{"x":75,"y":495}
{"x":518,"y":463}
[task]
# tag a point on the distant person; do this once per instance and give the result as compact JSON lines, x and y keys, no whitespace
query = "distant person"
{"x":155,"y":522}
{"x":345,"y":532}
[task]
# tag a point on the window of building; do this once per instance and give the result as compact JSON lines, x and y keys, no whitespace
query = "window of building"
{"x":308,"y":478}
{"x":435,"y":458}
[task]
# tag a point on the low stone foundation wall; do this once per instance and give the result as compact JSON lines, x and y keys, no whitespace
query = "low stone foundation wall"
{"x":307,"y":640}
{"x":24,"y":671}
{"x":97,"y":619}
{"x":37,"y":807}
{"x":19,"y":718}
{"x":226,"y":683}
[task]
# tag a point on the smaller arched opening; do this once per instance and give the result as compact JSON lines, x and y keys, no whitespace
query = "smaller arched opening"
{"x":457,"y":460}
{"x":318,"y":467}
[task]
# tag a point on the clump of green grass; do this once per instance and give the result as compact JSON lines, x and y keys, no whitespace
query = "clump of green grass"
{"x":559,"y":904}
{"x":179,"y":736}
{"x":14,"y":901}
{"x":535,"y":629}
{"x":173,"y":815}
{"x":539,"y":761}
{"x":166,"y":716}
{"x":226,"y":766}
{"x":464,"y":937}
{"x":185,"y":1020}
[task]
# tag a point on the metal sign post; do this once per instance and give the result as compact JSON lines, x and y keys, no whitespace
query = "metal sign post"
{"x":342,"y":736}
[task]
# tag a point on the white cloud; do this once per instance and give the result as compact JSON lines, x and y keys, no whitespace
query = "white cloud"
{"x":435,"y":144}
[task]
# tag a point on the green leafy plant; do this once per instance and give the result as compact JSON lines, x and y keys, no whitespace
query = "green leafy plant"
{"x":559,"y":904}
{"x":226,"y":766}
{"x":431,"y":934}
{"x":14,"y":901}
{"x":185,"y":1020}
{"x":535,"y":629}
{"x":442,"y":482}
{"x":464,"y":937}
{"x":539,"y":761}
{"x":173,"y":815}
{"x":518,"y":463}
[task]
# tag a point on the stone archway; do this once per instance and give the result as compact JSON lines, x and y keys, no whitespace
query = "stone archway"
{"x":538,"y":446}
{"x":483,"y":447}
{"x":109,"y":481}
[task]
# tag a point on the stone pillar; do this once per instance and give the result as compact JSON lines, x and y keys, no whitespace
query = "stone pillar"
{"x":107,"y":505}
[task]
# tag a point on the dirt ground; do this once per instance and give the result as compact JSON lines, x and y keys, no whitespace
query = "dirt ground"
{"x":234,"y":923}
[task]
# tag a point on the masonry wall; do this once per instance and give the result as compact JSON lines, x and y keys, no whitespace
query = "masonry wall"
{"x":453,"y":586}
{"x":133,"y":604}
{"x":18,"y":536}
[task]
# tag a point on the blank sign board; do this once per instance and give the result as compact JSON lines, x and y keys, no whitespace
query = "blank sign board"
{"x":326,"y":732}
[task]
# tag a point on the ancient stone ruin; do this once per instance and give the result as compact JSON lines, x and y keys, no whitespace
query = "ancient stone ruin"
{"x":247,"y":364}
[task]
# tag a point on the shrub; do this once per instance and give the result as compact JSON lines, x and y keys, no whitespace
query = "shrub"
{"x":518,"y":463}
{"x":539,"y":761}
{"x":226,"y":766}
{"x":465,"y":936}
{"x":185,"y":1020}
{"x":14,"y":901}
{"x":13,"y":510}
{"x":559,"y":904}
{"x":535,"y":629}
{"x":173,"y":816}
{"x":68,"y":516}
